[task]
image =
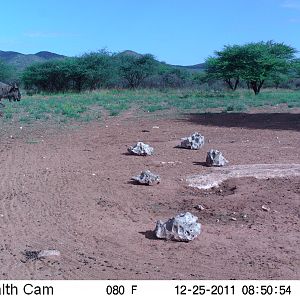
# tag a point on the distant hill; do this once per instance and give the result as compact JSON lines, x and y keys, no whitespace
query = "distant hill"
{"x":192,"y":68}
{"x":49,"y":55}
{"x":130,"y":53}
{"x":21,"y":61}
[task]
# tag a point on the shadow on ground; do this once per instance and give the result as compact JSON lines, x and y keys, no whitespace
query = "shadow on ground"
{"x":279,"y":121}
{"x":149,"y":234}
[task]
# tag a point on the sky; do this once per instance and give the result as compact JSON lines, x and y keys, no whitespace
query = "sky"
{"x":183,"y":32}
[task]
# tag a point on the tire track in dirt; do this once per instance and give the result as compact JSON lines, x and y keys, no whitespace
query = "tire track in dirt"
{"x":12,"y":220}
{"x":22,"y":194}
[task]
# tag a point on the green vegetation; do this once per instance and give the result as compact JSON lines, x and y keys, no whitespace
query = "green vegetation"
{"x":90,"y":105}
{"x":6,"y":71}
{"x":254,"y":63}
{"x":251,"y":66}
{"x":89,"y":72}
{"x":82,"y":88}
{"x":135,"y":69}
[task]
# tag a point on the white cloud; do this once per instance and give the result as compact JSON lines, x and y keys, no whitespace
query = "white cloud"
{"x":293,"y":4}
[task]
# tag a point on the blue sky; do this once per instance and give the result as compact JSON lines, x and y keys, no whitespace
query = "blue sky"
{"x":175,"y":31}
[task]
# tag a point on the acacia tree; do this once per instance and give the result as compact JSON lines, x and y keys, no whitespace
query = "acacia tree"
{"x":226,"y":65}
{"x":296,"y":67}
{"x":135,"y":69}
{"x":252,"y":62}
{"x":100,"y":69}
{"x":265,"y":60}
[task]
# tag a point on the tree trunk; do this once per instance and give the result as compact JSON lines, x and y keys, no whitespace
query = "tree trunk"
{"x":231,"y":85}
{"x":254,"y":87}
{"x":260,"y":85}
{"x":236,"y":83}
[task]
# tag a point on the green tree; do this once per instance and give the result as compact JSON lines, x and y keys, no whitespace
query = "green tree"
{"x":5,"y":71}
{"x":264,"y":60}
{"x":226,"y":65}
{"x":252,"y":62}
{"x":90,"y":71}
{"x":135,"y":69}
{"x":100,"y":69}
{"x":51,"y":76}
{"x":295,"y":67}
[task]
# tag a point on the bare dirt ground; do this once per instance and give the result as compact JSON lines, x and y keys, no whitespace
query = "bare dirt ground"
{"x":69,"y":190}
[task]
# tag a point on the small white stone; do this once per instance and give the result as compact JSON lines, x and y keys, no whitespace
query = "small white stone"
{"x":265,"y":208}
{"x":200,"y":207}
{"x":47,"y":253}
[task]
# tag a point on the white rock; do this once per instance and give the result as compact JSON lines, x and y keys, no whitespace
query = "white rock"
{"x":140,"y":149}
{"x":200,"y":207}
{"x":265,"y":208}
{"x":146,"y":177}
{"x":194,"y":142}
{"x":183,"y":227}
{"x":215,"y":158}
{"x":215,"y":176}
{"x":47,"y":253}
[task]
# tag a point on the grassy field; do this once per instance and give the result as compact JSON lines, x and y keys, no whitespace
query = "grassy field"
{"x":87,"y":106}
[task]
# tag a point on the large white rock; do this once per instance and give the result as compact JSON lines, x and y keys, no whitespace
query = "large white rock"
{"x":194,"y":142}
{"x":216,"y":176}
{"x":183,"y":227}
{"x":146,"y":177}
{"x":140,"y":149}
{"x":215,"y":158}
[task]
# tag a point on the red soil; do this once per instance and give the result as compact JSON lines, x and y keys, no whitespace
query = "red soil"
{"x":69,"y":190}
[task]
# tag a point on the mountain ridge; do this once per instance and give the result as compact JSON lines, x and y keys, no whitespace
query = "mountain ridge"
{"x":20,"y":61}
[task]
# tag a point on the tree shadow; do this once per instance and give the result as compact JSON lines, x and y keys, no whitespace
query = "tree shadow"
{"x":278,"y":121}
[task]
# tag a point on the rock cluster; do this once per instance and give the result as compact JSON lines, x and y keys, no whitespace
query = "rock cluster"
{"x":183,"y":227}
{"x":140,"y":149}
{"x":194,"y":142}
{"x":215,"y":158}
{"x":146,"y":177}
